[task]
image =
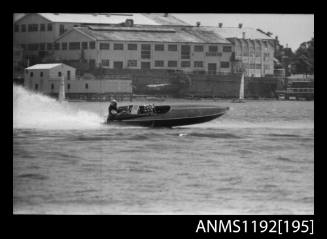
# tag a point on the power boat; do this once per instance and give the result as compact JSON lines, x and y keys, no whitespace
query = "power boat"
{"x":166,"y":115}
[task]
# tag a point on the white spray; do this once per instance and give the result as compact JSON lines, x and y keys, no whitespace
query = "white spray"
{"x":37,"y":111}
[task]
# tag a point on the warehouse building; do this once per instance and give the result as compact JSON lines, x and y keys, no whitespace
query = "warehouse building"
{"x":189,"y":49}
{"x":36,"y":32}
{"x":144,"y":41}
{"x":46,"y":78}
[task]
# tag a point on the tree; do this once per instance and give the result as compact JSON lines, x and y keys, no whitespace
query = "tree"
{"x":304,"y":58}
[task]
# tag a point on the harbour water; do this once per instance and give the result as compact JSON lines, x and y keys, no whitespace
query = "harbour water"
{"x":256,"y":159}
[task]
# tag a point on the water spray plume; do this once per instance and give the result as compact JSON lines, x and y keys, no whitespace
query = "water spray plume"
{"x":37,"y":111}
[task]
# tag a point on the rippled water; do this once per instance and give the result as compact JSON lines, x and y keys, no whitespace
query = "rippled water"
{"x":256,"y":159}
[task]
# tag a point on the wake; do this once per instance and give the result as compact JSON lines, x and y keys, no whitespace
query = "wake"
{"x":36,"y":111}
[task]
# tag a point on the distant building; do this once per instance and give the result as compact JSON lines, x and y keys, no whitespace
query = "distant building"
{"x":46,"y":78}
{"x":139,"y":47}
{"x":144,"y":41}
{"x":253,"y":49}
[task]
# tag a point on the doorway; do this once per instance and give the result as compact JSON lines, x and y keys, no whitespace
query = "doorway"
{"x":212,"y":68}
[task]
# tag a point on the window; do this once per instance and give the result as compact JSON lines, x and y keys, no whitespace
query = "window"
{"x":258,"y":52}
{"x":92,"y":44}
{"x":212,"y":68}
{"x":68,"y":86}
{"x":131,"y":63}
{"x":86,"y":86}
{"x":172,"y":63}
{"x":23,"y":27}
{"x":224,"y":64}
{"x":185,"y":64}
{"x":41,"y":74}
{"x":36,"y":86}
{"x":198,"y":48}
{"x":227,"y":48}
{"x":49,"y":46}
{"x":159,"y":47}
{"x":31,"y":74}
{"x":52,"y":86}
{"x":104,"y":46}
{"x":105,"y":63}
{"x":59,"y":73}
{"x":145,"y":51}
{"x":172,"y":47}
{"x":33,"y":47}
{"x":61,"y":29}
{"x":84,"y":45}
{"x":33,"y":27}
{"x":258,"y":66}
{"x":42,"y":27}
{"x":49,"y":27}
{"x":56,"y":46}
{"x":145,"y":65}
{"x":213,"y":48}
{"x":23,"y":46}
{"x":132,"y":47}
{"x":16,"y":28}
{"x":64,"y":46}
{"x":186,"y":52}
{"x":118,"y":65}
{"x":74,"y":45}
{"x":159,"y":63}
{"x":198,"y":64}
{"x":42,"y":46}
{"x":118,"y":46}
{"x":245,"y":51}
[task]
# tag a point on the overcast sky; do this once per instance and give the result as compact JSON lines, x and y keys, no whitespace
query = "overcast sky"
{"x":291,"y":29}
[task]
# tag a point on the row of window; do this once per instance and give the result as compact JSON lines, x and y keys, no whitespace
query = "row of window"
{"x":33,"y":27}
{"x":56,"y":46}
{"x":161,"y":63}
{"x":146,"y":48}
{"x":41,"y":73}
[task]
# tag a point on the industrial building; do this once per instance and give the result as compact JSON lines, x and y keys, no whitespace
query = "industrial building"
{"x":253,"y":49}
{"x":46,"y":78}
{"x":144,"y":41}
{"x":189,"y":49}
{"x":36,"y":32}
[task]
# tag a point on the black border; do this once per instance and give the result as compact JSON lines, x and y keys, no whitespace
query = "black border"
{"x":149,"y":225}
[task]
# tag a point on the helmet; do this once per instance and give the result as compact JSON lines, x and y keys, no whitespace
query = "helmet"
{"x":113,"y":102}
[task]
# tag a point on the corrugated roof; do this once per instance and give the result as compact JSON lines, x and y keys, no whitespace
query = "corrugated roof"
{"x":235,"y":32}
{"x":43,"y":66}
{"x":187,"y":35}
{"x":110,"y":18}
{"x":168,"y":19}
{"x":103,"y":18}
{"x":206,"y":35}
{"x":18,"y":16}
{"x":136,"y":28}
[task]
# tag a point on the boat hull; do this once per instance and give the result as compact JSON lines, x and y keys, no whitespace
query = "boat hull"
{"x":177,"y":116}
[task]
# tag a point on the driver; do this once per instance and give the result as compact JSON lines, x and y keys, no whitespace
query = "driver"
{"x":112,"y":110}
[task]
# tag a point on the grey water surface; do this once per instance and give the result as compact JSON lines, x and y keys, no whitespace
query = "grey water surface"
{"x":256,"y":159}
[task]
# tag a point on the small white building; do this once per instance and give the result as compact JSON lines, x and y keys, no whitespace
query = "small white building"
{"x":38,"y":77}
{"x":46,"y":78}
